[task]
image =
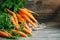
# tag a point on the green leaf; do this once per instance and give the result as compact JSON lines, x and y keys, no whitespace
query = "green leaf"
{"x":15,"y":8}
{"x":5,"y":21}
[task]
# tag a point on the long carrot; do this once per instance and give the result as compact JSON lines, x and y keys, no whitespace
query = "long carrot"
{"x":20,"y":33}
{"x":28,"y":20}
{"x":15,"y":18}
{"x":3,"y":34}
{"x":28,"y":10}
{"x":27,"y":31}
{"x":28,"y":14}
{"x":14,"y":23}
{"x":13,"y":14}
{"x":22,"y":19}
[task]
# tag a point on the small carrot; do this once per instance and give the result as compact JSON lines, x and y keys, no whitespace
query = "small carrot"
{"x":13,"y":14}
{"x":3,"y":34}
{"x":28,"y":14}
{"x":28,"y":20}
{"x":20,"y":33}
{"x":27,"y":31}
{"x":22,"y":19}
{"x":27,"y":27}
{"x":14,"y":23}
{"x":8,"y":33}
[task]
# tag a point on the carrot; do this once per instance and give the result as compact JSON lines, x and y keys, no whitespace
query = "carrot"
{"x":27,"y":31}
{"x":3,"y":34}
{"x":14,"y":23}
{"x":28,"y":14}
{"x":22,"y":19}
{"x":13,"y":14}
{"x":28,"y":10}
{"x":28,"y":20}
{"x":20,"y":33}
{"x":27,"y":27}
{"x":8,"y":33}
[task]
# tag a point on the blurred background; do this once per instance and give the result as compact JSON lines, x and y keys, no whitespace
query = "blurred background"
{"x":47,"y":10}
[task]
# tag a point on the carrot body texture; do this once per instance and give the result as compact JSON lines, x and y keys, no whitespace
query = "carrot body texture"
{"x":27,"y":31}
{"x":28,"y":10}
{"x":14,"y":23}
{"x":28,"y":20}
{"x":3,"y":34}
{"x":28,"y":28}
{"x":20,"y":33}
{"x":8,"y":33}
{"x":28,"y":14}
{"x":13,"y":14}
{"x":22,"y":20}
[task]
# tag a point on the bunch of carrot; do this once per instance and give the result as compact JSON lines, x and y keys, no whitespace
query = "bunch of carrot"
{"x":23,"y":15}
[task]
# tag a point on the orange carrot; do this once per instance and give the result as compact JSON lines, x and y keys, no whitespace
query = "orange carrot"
{"x":22,"y":11}
{"x":28,"y":10}
{"x":8,"y":33}
{"x":17,"y":27}
{"x":13,"y":14}
{"x":27,"y":31}
{"x":14,"y":23}
{"x":22,"y":19}
{"x":3,"y":34}
{"x":28,"y":20}
{"x":20,"y":33}
{"x":27,"y":27}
